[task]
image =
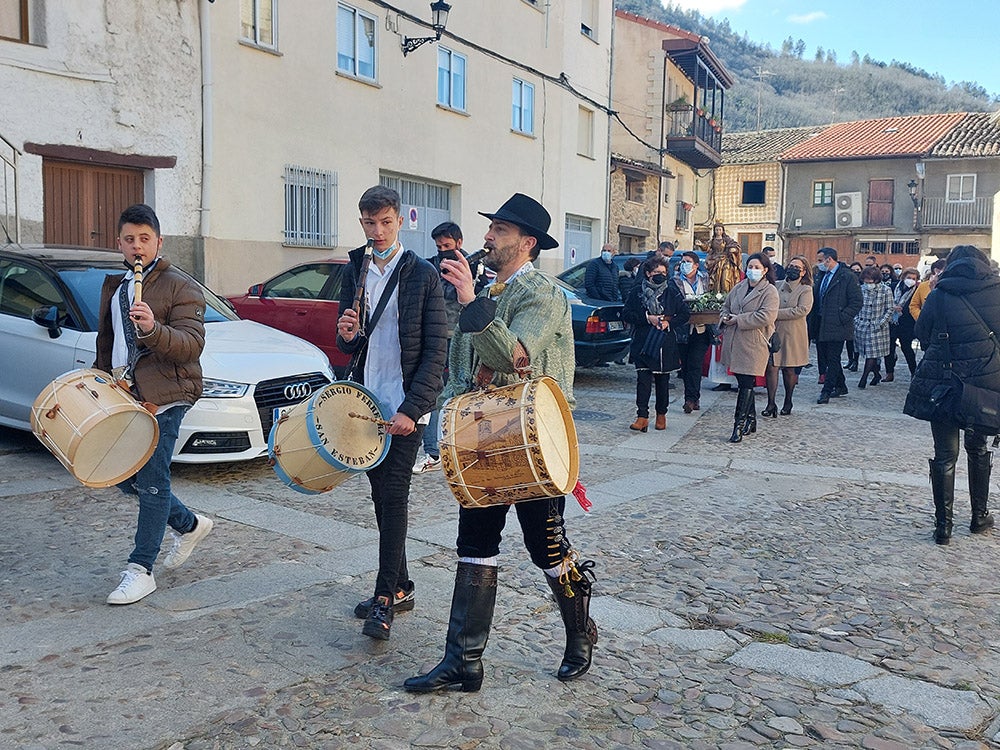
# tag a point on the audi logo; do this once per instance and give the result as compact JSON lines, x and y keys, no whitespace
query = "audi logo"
{"x":298,"y":391}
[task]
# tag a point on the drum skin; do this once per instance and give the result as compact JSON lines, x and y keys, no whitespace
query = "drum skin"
{"x":508,"y":444}
{"x":316,"y":445}
{"x":94,"y":427}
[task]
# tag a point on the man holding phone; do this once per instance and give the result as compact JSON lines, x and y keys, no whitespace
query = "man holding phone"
{"x":448,"y":238}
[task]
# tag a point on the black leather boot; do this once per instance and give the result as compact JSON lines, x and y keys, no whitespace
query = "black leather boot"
{"x":581,"y":632}
{"x":943,"y":489}
{"x":468,"y":630}
{"x":740,"y":416}
{"x":980,"y":467}
{"x":750,"y":424}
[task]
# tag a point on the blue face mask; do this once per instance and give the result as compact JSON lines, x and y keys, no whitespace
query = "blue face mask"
{"x":755,"y":274}
{"x":383,"y":254}
{"x":606,"y":256}
{"x":687,"y":267}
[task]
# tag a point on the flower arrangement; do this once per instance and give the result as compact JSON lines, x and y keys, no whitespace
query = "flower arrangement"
{"x":708,"y":302}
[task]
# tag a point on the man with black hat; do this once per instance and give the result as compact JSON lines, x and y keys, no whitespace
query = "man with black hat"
{"x":521,"y":322}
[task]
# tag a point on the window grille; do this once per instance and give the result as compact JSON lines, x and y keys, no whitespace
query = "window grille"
{"x":310,"y":200}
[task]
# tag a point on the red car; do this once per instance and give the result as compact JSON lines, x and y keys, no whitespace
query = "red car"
{"x":304,"y":301}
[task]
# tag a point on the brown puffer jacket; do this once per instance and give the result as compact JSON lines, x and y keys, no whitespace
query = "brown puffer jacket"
{"x":168,"y":369}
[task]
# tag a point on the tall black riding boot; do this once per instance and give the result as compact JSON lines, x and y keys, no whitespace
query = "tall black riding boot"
{"x":750,"y":424}
{"x":468,"y":630}
{"x":943,"y":489}
{"x":740,"y":418}
{"x":581,"y":632}
{"x":980,"y":467}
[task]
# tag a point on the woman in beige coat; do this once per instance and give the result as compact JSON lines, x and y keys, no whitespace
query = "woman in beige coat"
{"x":795,"y":300}
{"x":747,"y":322}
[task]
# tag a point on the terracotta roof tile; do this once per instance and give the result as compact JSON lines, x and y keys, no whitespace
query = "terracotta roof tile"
{"x":978,"y":134}
{"x":759,"y":146}
{"x":885,"y":137}
{"x":677,"y":31}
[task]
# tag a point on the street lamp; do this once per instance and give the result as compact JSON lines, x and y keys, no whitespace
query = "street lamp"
{"x":439,"y":19}
{"x":912,"y":185}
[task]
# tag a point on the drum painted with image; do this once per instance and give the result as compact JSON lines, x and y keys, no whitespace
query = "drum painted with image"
{"x":96,"y":429}
{"x":323,"y":441}
{"x":508,"y":444}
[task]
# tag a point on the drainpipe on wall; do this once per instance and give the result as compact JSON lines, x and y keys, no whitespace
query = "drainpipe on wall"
{"x":663,"y":115}
{"x":607,"y":168}
{"x":781,"y":208}
{"x":207,"y":123}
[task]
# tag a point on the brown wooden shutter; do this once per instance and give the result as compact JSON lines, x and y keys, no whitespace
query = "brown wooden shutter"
{"x":880,"y":199}
{"x":82,"y":202}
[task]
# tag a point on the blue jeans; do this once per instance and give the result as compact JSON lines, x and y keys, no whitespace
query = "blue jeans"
{"x":431,"y":439}
{"x":158,"y":506}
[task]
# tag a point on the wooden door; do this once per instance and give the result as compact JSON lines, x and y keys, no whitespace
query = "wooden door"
{"x":82,"y":202}
{"x":880,"y":198}
{"x":751,"y":242}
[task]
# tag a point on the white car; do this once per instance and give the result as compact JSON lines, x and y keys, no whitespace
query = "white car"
{"x":48,"y":325}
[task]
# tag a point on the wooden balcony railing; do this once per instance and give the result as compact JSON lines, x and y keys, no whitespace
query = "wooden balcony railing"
{"x":937,"y":212}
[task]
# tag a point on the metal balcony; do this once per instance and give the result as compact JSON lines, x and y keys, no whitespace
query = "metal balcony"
{"x":938,"y":212}
{"x":693,"y":137}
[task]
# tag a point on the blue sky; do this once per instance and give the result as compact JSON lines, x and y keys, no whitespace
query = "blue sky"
{"x":955,"y":38}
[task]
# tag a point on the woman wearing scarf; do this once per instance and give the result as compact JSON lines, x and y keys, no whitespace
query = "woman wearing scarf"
{"x":655,"y":308}
{"x":747,"y":317}
{"x":901,"y":326}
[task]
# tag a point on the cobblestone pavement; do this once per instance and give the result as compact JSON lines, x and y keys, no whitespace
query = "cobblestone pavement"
{"x":782,"y":592}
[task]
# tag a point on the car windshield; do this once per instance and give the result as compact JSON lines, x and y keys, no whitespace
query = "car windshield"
{"x":85,"y":285}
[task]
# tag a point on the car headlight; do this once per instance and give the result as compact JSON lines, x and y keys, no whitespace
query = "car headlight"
{"x":223,"y":389}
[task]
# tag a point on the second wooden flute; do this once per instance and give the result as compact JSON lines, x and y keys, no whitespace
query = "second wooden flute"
{"x":137,"y":271}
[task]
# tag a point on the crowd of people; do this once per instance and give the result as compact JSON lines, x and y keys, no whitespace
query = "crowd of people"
{"x":421,"y":332}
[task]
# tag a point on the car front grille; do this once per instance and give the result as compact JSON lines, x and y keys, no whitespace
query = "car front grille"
{"x":272,"y":394}
{"x":205,"y":443}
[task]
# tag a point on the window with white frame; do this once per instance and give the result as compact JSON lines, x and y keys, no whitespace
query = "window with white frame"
{"x":588,"y":19}
{"x":523,"y":109}
{"x":961,"y":188}
{"x":258,"y":22}
{"x":451,"y":79}
{"x":355,"y":42}
{"x":310,"y":203}
{"x":585,"y":133}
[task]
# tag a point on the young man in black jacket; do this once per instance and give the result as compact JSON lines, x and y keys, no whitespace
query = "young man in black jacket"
{"x":401,"y":360}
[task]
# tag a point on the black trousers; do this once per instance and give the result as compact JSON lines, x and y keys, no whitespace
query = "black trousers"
{"x":829,"y":352}
{"x":390,"y":482}
{"x":644,"y":380}
{"x":946,"y":443}
{"x":692,"y":358}
{"x":480,"y":530}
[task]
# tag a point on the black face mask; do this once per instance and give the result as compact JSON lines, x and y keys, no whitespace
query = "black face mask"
{"x":886,"y":276}
{"x":793,"y":273}
{"x":658,"y":278}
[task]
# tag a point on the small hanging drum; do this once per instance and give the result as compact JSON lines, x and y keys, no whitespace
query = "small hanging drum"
{"x":508,"y":444}
{"x":323,"y":441}
{"x":94,"y":427}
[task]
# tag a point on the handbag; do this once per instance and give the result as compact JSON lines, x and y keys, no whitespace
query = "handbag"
{"x":968,"y":405}
{"x":654,"y":342}
{"x":774,"y":344}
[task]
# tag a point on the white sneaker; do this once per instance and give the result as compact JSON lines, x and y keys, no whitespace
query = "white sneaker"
{"x":184,"y":544}
{"x":427,"y":463}
{"x":136,"y":583}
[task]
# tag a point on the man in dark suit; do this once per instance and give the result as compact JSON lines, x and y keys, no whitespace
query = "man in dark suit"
{"x":838,"y":300}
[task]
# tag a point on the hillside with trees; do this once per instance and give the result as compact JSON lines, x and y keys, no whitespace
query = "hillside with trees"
{"x":794,"y":86}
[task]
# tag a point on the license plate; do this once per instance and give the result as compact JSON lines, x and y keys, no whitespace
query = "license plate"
{"x":616,"y":325}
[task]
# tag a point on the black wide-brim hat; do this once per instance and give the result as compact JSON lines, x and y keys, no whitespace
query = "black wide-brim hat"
{"x":528,"y":214}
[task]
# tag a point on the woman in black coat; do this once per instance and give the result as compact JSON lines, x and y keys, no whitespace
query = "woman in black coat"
{"x":654,"y":308}
{"x":955,"y":331}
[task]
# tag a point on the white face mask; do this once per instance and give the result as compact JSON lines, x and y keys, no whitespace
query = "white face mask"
{"x":606,"y":256}
{"x":908,"y":283}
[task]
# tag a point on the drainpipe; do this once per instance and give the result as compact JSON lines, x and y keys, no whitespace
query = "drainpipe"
{"x":207,"y":124}
{"x":607,"y":170}
{"x":663,"y":116}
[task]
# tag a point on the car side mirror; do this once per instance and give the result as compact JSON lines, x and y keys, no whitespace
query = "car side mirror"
{"x":48,"y":317}
{"x":256,"y":290}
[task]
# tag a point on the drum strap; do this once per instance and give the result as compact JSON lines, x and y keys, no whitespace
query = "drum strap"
{"x":390,"y":287}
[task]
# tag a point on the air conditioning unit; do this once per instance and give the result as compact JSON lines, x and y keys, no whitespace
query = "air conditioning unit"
{"x":848,"y":210}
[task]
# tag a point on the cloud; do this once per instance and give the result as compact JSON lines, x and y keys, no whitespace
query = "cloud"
{"x":816,"y":15}
{"x":708,"y":7}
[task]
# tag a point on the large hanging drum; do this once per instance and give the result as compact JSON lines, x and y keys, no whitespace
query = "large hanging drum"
{"x":94,"y":427}
{"x":338,"y":432}
{"x":503,"y":445}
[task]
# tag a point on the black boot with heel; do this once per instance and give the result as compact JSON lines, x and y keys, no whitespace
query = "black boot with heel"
{"x":943,"y":488}
{"x":573,"y":599}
